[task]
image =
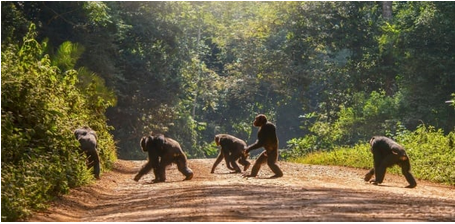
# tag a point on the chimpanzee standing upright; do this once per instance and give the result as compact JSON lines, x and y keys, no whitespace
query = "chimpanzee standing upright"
{"x":88,"y":140}
{"x":162,"y":152}
{"x":266,"y":138}
{"x":387,"y":153}
{"x":232,"y":149}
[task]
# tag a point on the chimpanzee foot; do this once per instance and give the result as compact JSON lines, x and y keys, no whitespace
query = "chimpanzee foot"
{"x":276,"y":176}
{"x":411,"y":186}
{"x":245,"y":168}
{"x":157,"y":181}
{"x":248,"y":175}
{"x":374,"y":182}
{"x":136,"y":178}
{"x":189,"y":177}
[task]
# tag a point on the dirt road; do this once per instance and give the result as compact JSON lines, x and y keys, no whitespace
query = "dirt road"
{"x":305,"y":193}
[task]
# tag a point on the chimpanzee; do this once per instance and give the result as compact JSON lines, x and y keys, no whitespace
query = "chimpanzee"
{"x":162,"y":152}
{"x":232,"y":149}
{"x":88,"y":140}
{"x":387,"y":153}
{"x":266,"y":138}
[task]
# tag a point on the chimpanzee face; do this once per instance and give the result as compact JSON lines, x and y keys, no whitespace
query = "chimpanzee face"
{"x":260,"y":120}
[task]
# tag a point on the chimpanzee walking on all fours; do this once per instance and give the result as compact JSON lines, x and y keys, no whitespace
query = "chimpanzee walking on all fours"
{"x":387,"y":153}
{"x":162,"y":152}
{"x":232,"y":149}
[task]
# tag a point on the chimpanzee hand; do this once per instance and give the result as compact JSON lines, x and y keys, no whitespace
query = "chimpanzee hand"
{"x":368,"y":176}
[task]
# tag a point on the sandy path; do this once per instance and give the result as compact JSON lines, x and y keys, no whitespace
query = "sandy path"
{"x":305,"y":193}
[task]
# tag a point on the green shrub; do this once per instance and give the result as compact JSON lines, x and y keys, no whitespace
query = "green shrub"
{"x":41,"y":106}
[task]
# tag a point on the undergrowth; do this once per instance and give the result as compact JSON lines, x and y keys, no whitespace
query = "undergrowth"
{"x":41,"y":106}
{"x":431,"y":153}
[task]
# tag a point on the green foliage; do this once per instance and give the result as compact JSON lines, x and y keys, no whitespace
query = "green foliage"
{"x":41,"y":107}
{"x":429,"y":150}
{"x":370,"y":116}
{"x":300,"y":147}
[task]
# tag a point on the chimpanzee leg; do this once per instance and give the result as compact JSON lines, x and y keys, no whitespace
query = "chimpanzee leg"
{"x":161,"y":171}
{"x":94,"y":161}
{"x":388,"y":161}
{"x":144,"y":170}
{"x":235,"y":166}
{"x":244,"y":162}
{"x":272,"y":158}
{"x":258,"y":163}
{"x":157,"y":175}
{"x":405,"y":169}
{"x":183,"y":167}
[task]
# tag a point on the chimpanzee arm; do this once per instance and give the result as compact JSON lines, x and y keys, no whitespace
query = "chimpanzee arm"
{"x":260,"y":142}
{"x":369,"y":175}
{"x":228,"y":161}
{"x":217,"y":161}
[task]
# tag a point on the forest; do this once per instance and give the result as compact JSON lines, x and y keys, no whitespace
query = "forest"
{"x":329,"y":74}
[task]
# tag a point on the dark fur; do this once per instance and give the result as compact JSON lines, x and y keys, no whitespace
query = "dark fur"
{"x":162,"y":152}
{"x":387,"y":153}
{"x":232,"y":149}
{"x":266,"y":138}
{"x":88,"y":141}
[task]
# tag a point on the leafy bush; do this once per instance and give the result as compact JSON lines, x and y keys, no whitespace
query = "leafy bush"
{"x":41,"y":106}
{"x":368,"y":116}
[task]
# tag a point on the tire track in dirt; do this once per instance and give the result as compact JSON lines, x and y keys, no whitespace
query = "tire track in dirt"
{"x":305,"y":193}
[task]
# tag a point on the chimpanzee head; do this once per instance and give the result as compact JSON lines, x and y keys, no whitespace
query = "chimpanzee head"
{"x":217,"y":140}
{"x":260,"y":120}
{"x":371,"y":143}
{"x":150,"y":143}
{"x":372,"y":140}
{"x":145,"y":142}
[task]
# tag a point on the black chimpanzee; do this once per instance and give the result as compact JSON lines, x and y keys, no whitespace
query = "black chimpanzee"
{"x":88,"y":140}
{"x":387,"y":153}
{"x":162,"y":152}
{"x":232,"y":149}
{"x":266,"y":138}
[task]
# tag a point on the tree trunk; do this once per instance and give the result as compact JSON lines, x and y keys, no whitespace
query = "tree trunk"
{"x":387,"y":10}
{"x":388,"y":57}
